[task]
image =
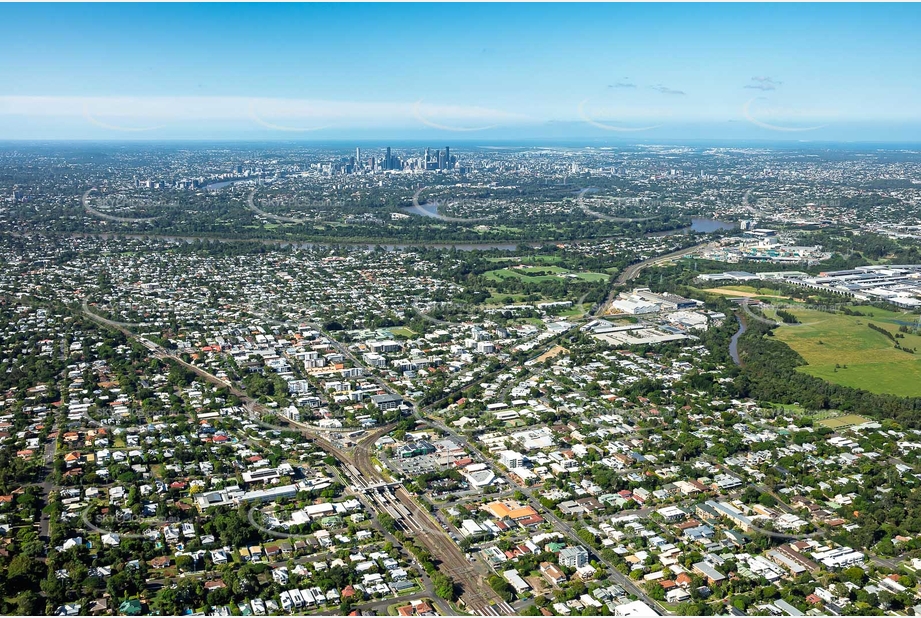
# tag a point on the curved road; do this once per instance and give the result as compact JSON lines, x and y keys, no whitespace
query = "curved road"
{"x":421,"y":212}
{"x":86,"y":309}
{"x":103,"y":215}
{"x":631,"y":272}
{"x":580,"y":201}
{"x":250,"y":203}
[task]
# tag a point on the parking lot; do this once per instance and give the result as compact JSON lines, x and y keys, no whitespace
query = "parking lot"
{"x":415,"y":466}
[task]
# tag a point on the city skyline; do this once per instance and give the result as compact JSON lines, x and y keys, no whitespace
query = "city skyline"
{"x":474,"y":72}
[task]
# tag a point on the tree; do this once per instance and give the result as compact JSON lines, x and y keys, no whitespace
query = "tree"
{"x":855,"y":575}
{"x":54,"y":589}
{"x":23,"y":571}
{"x":693,"y":609}
{"x":501,"y":587}
{"x":184,"y":563}
{"x":587,"y":537}
{"x":27,"y":604}
{"x":387,"y":523}
{"x":167,"y":601}
{"x":444,"y":587}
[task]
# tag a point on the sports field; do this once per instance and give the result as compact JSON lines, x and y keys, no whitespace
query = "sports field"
{"x":848,"y":420}
{"x":528,"y":259}
{"x":866,"y":359}
{"x":541,"y":273}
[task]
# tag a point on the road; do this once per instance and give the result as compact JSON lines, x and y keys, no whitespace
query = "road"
{"x":48,"y":485}
{"x":250,"y":203}
{"x":625,"y":582}
{"x":160,"y":352}
{"x":103,"y":215}
{"x":477,"y":595}
{"x":631,"y":272}
{"x":580,"y":201}
{"x":441,"y":545}
{"x":380,"y":607}
{"x":154,"y":584}
{"x":86,"y":309}
{"x":419,"y":209}
{"x":451,"y":560}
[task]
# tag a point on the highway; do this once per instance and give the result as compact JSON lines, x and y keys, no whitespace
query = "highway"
{"x":631,"y":272}
{"x":580,"y":201}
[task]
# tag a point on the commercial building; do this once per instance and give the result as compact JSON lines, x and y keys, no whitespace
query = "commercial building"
{"x":705,"y":569}
{"x":511,"y":459}
{"x":387,"y":402}
{"x":574,"y":557}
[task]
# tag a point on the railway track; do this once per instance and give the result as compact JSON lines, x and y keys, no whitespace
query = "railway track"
{"x":478,"y":597}
{"x":476,"y":594}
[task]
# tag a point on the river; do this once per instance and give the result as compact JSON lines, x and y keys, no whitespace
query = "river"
{"x":705,"y":226}
{"x":214,"y":186}
{"x":429,"y":209}
{"x":700,"y":226}
{"x":734,"y":342}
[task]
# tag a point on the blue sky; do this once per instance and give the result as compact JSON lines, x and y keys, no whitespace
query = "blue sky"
{"x":484,"y":71}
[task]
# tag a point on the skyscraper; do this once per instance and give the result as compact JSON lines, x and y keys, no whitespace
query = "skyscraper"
{"x":387,"y":161}
{"x":448,"y":158}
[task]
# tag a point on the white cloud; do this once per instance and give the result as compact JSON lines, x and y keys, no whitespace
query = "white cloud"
{"x":145,"y":113}
{"x":764,"y":83}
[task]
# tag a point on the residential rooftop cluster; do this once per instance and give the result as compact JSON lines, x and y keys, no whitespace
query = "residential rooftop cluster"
{"x":273,"y":424}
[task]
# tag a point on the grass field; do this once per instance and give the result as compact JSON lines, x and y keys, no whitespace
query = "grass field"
{"x":872,"y":362}
{"x":402,"y":331}
{"x":847,"y":420}
{"x":496,"y":299}
{"x":530,"y":259}
{"x":573,"y":311}
{"x":540,"y":273}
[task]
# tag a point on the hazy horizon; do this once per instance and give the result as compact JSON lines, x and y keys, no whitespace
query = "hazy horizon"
{"x":828,"y":72}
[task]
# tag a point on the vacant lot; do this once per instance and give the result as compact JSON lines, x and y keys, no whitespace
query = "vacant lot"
{"x":744,"y":291}
{"x":844,"y":350}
